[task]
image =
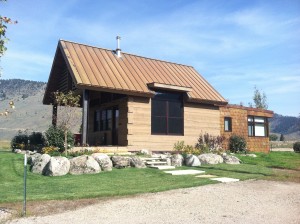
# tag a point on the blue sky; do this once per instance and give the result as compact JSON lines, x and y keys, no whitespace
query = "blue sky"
{"x":235,"y":45}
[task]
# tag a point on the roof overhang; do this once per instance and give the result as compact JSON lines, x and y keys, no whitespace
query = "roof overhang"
{"x":161,"y":86}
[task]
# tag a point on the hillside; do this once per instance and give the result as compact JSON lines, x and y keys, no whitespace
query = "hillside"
{"x":31,"y":114}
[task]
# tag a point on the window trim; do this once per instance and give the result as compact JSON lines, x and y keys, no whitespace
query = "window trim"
{"x":229,"y":119}
{"x":252,"y":124}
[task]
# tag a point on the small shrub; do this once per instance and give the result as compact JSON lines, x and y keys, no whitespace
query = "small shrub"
{"x":178,"y":146}
{"x":237,"y":144}
{"x":296,"y":147}
{"x":209,"y":143}
{"x":273,"y":137}
{"x":20,"y":141}
{"x":55,"y":137}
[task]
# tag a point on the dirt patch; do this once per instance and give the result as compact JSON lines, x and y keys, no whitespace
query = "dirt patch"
{"x":239,"y":202}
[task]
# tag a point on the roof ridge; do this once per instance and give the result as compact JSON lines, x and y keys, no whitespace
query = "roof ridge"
{"x":155,"y":59}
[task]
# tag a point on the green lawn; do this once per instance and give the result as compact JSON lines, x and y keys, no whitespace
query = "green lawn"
{"x":127,"y":181}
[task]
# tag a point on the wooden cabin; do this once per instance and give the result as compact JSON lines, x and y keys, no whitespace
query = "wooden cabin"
{"x":137,"y":102}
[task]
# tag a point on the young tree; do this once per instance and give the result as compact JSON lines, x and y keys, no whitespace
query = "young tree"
{"x":259,"y":99}
{"x":281,"y":138}
{"x":67,"y":104}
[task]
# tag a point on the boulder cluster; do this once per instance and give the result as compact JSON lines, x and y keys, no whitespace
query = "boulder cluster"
{"x":98,"y":162}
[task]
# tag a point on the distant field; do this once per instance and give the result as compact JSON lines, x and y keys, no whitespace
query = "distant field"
{"x":281,"y":144}
{"x":4,"y":145}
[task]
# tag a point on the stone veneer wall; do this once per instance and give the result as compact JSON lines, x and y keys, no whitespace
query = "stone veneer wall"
{"x":239,"y":117}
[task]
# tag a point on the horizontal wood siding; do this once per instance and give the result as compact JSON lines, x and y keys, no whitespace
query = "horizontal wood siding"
{"x":197,"y":118}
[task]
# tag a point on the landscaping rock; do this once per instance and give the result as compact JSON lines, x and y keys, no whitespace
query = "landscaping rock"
{"x":229,"y":159}
{"x":145,"y":152}
{"x":210,"y":158}
{"x":137,"y":162}
{"x":120,"y":161}
{"x":84,"y":164}
{"x":192,"y":160}
{"x":32,"y":158}
{"x":104,"y":161}
{"x":17,"y":150}
{"x":40,"y":163}
{"x":176,"y":160}
{"x":57,"y":166}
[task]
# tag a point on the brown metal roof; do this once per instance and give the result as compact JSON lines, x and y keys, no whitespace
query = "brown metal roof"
{"x":101,"y":69}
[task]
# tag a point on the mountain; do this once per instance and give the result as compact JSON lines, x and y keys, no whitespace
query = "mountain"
{"x":30,"y":114}
{"x":287,"y":125}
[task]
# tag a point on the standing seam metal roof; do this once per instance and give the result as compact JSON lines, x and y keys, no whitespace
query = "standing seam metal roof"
{"x":98,"y":67}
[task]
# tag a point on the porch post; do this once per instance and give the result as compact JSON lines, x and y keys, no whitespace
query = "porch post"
{"x":54,"y":115}
{"x":85,"y":104}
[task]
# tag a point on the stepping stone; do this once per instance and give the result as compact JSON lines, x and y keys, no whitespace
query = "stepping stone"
{"x":185,"y":172}
{"x":162,"y":167}
{"x":206,"y":176}
{"x":225,"y":179}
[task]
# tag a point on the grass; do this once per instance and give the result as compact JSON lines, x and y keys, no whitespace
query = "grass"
{"x":130,"y":181}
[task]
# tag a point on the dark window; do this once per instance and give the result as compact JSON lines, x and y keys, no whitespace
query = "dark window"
{"x":258,"y":126}
{"x":103,"y":120}
{"x":227,"y":124}
{"x":167,"y":114}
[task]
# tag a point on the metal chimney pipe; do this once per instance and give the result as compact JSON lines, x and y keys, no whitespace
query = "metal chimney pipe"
{"x":118,"y":50}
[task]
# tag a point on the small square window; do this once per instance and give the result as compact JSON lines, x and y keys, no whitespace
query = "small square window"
{"x":227,"y":124}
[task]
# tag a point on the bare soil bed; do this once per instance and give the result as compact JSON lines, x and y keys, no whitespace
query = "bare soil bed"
{"x":252,"y":201}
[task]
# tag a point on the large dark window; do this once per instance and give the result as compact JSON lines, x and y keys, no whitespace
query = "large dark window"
{"x":103,"y":120}
{"x":258,"y":126}
{"x":167,"y":114}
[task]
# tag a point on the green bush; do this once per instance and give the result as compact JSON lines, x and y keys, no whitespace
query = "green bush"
{"x":237,"y":144}
{"x":273,"y":137}
{"x":33,"y":142}
{"x":178,"y":146}
{"x":55,"y":137}
{"x":296,"y":147}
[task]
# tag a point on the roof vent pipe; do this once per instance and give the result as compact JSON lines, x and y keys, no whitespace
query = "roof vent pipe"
{"x":118,"y":50}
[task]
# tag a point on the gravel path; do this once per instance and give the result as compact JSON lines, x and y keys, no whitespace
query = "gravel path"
{"x":240,"y":202}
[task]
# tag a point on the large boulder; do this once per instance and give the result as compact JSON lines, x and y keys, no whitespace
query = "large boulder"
{"x":176,"y":160}
{"x":40,"y":163}
{"x":120,"y":161}
{"x":210,"y":158}
{"x":84,"y":164}
{"x":32,"y":158}
{"x":192,"y":160}
{"x":57,"y":166}
{"x":229,"y":159}
{"x":137,"y":162}
{"x":104,"y":161}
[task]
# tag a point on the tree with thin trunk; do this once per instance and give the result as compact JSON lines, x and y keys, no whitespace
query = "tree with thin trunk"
{"x":68,"y":105}
{"x":259,"y":99}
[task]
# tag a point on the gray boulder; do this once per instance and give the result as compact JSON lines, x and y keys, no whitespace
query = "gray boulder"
{"x":40,"y":163}
{"x":120,"y":161}
{"x":32,"y":158}
{"x":57,"y":166}
{"x":176,"y":160}
{"x":84,"y":164}
{"x":229,"y":159}
{"x":192,"y":160}
{"x":137,"y":162}
{"x":104,"y":161}
{"x":210,"y":158}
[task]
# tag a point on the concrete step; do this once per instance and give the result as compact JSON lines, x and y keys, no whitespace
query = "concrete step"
{"x":156,"y":163}
{"x":151,"y":159}
{"x":225,"y":179}
{"x":184,"y":172}
{"x":165,"y":167}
